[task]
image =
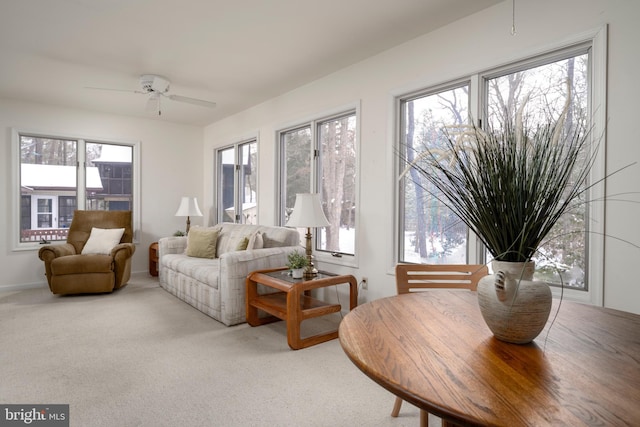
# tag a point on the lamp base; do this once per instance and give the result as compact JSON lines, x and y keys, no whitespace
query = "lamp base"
{"x":310,"y":272}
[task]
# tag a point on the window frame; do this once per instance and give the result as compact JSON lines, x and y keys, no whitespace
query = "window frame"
{"x":596,"y":41}
{"x":237,"y":180}
{"x":81,"y":199}
{"x":474,"y":245}
{"x":313,"y":123}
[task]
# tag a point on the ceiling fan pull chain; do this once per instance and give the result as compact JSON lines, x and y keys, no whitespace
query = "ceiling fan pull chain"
{"x":513,"y":18}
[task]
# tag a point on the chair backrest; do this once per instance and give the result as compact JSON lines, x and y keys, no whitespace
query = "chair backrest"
{"x":413,"y":277}
{"x":84,"y":221}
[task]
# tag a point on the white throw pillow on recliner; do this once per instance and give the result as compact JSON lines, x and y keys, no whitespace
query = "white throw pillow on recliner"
{"x":102,"y":240}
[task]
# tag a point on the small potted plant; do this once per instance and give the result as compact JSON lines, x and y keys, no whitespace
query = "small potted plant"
{"x":297,"y":262}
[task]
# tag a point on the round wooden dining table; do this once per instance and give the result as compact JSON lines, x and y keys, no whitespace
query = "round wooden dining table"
{"x":434,"y":350}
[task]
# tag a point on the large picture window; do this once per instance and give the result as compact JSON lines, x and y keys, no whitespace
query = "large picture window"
{"x":57,"y":175}
{"x":321,"y":157}
{"x":542,"y":92}
{"x":540,"y":87}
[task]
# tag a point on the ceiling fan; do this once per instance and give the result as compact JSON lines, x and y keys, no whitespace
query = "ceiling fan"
{"x":157,"y":87}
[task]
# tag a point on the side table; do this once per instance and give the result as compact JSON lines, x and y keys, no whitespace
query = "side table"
{"x":293,"y":303}
{"x":153,"y":259}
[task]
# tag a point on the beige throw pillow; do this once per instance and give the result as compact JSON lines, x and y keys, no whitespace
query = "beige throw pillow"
{"x":102,"y":240}
{"x":255,"y":241}
{"x":201,"y":242}
{"x":243,"y":244}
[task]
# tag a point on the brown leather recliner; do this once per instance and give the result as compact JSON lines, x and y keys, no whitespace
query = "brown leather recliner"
{"x":70,"y":272}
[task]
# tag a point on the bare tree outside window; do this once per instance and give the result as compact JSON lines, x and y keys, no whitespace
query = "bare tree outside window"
{"x":321,"y":157}
{"x":296,"y":152}
{"x":430,"y":232}
{"x":338,"y":164}
{"x":542,"y":92}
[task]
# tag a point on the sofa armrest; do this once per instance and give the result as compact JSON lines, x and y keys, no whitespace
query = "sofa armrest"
{"x":172,"y":245}
{"x":169,"y":245}
{"x":234,"y":269}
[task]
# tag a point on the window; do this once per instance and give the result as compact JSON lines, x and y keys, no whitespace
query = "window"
{"x":541,"y":90}
{"x":321,"y":157}
{"x":237,"y":183}
{"x":429,"y":233}
{"x":57,"y":175}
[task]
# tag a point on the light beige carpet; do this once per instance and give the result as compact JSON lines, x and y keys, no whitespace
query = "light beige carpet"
{"x":141,"y":357}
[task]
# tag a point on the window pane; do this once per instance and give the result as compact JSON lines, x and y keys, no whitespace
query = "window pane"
{"x":543,"y":91}
{"x":430,"y":232}
{"x":109,"y":181}
{"x":296,"y":148}
{"x":237,"y":183}
{"x":337,"y":140}
{"x":66,"y":206}
{"x":248,"y":182}
{"x":47,"y":173}
{"x":226,"y":167}
{"x":45,"y":213}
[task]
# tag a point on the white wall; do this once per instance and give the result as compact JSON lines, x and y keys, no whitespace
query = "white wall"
{"x":473,"y":44}
{"x":166,"y":150}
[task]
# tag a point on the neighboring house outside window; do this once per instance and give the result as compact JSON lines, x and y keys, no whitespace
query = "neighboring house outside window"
{"x":53,"y":183}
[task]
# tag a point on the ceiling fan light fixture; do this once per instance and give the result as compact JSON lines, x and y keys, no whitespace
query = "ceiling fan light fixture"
{"x":154,"y":83}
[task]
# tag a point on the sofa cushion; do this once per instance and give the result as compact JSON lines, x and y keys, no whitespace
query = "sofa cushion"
{"x":102,"y":240}
{"x":203,"y":270}
{"x":201,"y":242}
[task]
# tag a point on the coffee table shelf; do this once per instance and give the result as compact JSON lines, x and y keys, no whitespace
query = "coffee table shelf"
{"x":293,"y":303}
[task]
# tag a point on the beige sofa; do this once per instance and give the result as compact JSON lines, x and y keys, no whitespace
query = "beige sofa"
{"x":216,"y":286}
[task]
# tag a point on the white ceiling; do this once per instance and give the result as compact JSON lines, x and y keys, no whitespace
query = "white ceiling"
{"x":237,"y":53}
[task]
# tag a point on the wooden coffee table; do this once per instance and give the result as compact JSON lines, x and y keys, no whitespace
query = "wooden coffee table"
{"x":292,"y":302}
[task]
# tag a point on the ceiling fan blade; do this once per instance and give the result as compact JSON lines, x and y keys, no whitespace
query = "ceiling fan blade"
{"x":114,"y":90}
{"x":193,"y":101}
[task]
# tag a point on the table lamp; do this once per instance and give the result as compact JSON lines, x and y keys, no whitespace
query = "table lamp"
{"x":188,"y":207}
{"x":307,"y":212}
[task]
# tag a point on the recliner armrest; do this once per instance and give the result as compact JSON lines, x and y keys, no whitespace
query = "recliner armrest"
{"x":123,"y":251}
{"x":50,"y":252}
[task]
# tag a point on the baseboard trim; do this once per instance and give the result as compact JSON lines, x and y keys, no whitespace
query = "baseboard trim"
{"x":22,"y":286}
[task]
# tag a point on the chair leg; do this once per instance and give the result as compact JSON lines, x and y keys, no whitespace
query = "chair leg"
{"x":424,"y":418}
{"x":396,"y":407}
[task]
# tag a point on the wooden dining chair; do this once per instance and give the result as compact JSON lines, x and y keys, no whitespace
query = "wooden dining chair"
{"x":418,"y":277}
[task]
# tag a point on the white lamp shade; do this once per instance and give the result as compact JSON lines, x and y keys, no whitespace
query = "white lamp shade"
{"x":188,"y":207}
{"x":307,"y":212}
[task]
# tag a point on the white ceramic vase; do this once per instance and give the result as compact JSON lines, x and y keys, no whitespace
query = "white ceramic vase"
{"x":515,"y":307}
